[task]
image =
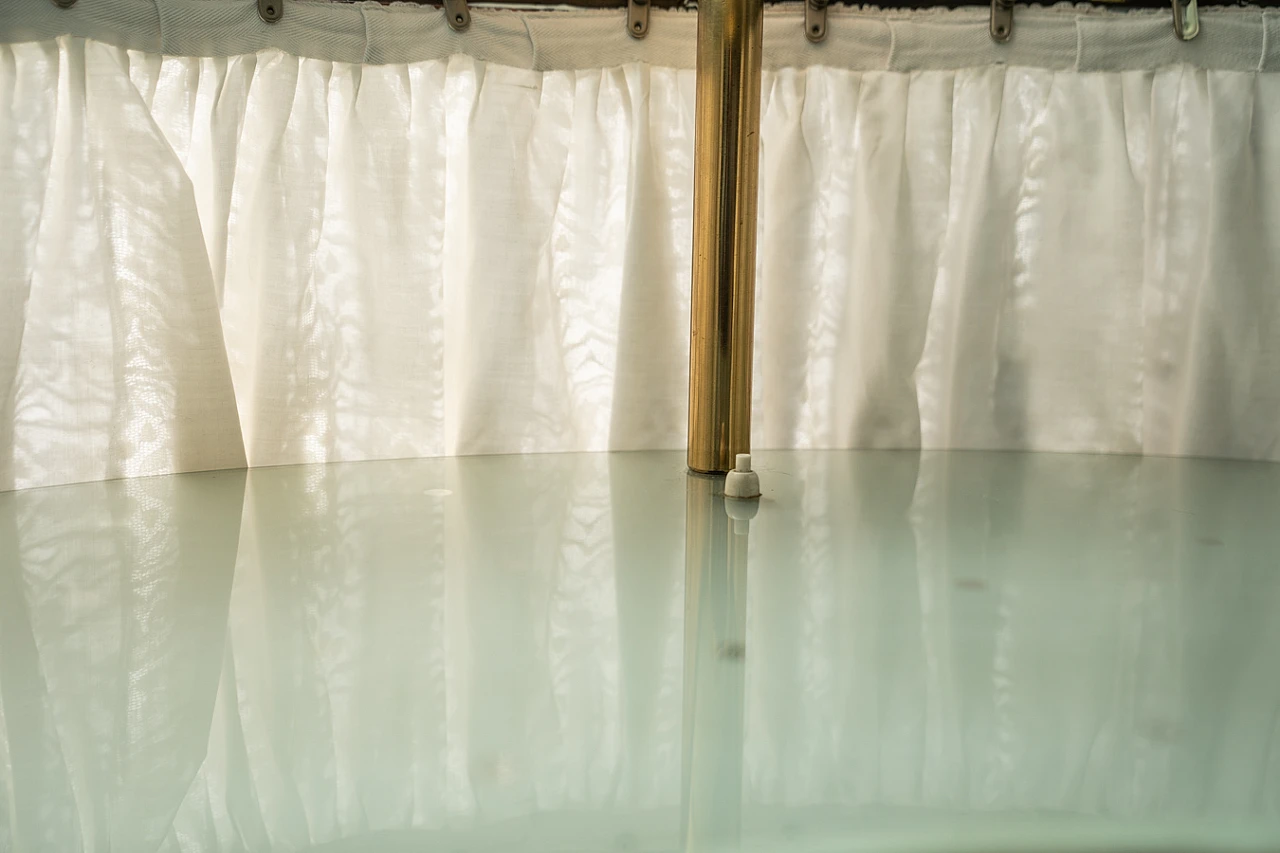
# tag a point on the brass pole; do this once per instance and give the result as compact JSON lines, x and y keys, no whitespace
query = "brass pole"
{"x":726,"y":172}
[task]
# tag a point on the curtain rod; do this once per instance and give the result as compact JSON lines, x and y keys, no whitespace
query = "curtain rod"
{"x":1114,"y":5}
{"x":812,"y":17}
{"x":1186,"y":21}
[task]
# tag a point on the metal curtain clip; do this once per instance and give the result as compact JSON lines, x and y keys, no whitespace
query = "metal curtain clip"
{"x":1002,"y":19}
{"x":815,"y":20}
{"x":1186,"y":19}
{"x":457,"y":14}
{"x":637,"y":18}
{"x":271,"y":10}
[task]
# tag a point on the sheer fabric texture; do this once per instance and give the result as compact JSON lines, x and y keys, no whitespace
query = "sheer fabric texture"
{"x":267,"y":259}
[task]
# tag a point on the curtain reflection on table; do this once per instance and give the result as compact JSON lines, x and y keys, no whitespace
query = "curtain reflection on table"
{"x":498,"y":651}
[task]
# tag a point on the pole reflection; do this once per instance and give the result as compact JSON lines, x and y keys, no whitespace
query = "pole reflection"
{"x":715,"y":633}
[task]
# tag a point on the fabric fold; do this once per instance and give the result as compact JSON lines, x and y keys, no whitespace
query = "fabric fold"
{"x":266,"y":259}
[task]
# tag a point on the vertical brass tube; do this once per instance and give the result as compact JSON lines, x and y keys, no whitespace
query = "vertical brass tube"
{"x":726,"y":174}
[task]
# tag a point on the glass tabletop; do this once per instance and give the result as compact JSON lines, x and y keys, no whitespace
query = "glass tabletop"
{"x":895,"y":651}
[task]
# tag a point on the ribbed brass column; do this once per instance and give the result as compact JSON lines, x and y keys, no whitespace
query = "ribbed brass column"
{"x":726,"y":172}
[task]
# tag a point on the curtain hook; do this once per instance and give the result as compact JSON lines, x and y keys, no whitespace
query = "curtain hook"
{"x":637,"y":18}
{"x":815,"y":20}
{"x":1002,"y":19}
{"x":1186,"y":19}
{"x":457,"y":14}
{"x":64,"y":4}
{"x":271,"y":10}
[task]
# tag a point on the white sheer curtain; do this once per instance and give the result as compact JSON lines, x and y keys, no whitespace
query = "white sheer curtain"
{"x":385,"y":248}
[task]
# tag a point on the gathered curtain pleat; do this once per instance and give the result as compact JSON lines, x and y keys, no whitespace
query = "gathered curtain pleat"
{"x":264,"y":259}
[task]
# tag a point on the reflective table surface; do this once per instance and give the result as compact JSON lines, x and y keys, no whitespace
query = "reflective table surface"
{"x":900,"y":651}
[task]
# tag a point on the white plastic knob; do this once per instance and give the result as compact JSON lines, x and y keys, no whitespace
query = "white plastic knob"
{"x":742,"y":483}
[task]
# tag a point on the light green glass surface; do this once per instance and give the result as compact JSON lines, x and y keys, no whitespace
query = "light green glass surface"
{"x":900,"y":651}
